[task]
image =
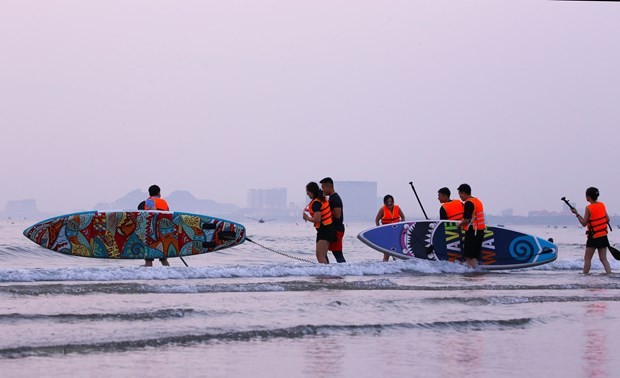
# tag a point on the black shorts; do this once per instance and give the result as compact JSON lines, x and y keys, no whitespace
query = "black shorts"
{"x":326,"y":233}
{"x":472,"y":243}
{"x":597,"y":243}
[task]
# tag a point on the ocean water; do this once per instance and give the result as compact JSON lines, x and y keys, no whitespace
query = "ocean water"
{"x":250,"y":312}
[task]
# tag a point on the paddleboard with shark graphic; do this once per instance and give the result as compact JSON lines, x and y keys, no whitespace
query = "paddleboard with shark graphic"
{"x":502,"y":248}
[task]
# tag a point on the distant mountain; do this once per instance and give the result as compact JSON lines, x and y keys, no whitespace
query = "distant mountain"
{"x":22,"y":209}
{"x":179,"y":201}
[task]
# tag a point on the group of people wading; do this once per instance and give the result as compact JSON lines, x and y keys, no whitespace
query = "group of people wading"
{"x":325,"y":211}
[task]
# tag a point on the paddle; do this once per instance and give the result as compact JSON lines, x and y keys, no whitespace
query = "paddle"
{"x":614,"y":252}
{"x":418,"y":198}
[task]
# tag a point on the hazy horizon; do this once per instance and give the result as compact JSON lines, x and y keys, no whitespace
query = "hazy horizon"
{"x":516,"y":98}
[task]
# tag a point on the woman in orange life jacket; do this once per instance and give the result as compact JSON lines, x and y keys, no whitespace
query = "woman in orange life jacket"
{"x":596,"y":219}
{"x":155,"y":202}
{"x":450,"y":209}
{"x":389,"y":213}
{"x":319,"y":213}
{"x":473,"y":225}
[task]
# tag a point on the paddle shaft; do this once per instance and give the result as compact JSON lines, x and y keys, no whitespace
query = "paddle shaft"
{"x":418,"y":198}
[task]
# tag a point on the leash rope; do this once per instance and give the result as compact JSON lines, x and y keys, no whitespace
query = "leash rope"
{"x":280,"y":253}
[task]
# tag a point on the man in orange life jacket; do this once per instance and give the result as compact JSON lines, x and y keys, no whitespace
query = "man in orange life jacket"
{"x":155,"y":202}
{"x":596,"y":219}
{"x":450,"y":209}
{"x":473,"y":225}
{"x":389,"y":213}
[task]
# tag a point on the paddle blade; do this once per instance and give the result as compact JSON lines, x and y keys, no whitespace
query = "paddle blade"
{"x":614,"y":252}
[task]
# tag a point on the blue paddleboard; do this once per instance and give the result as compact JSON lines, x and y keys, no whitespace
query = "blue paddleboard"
{"x":502,"y":248}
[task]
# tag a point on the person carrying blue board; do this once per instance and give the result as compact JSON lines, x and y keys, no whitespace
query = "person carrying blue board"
{"x":450,"y":209}
{"x":596,"y":219}
{"x":155,"y":202}
{"x":473,"y":225}
{"x":388,"y":214}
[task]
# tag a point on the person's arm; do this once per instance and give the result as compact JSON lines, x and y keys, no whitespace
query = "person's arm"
{"x":585,"y":219}
{"x":337,"y":212}
{"x":442,"y":213}
{"x":379,"y":216}
{"x":316,"y":218}
{"x":402,"y":215}
{"x":468,"y":213}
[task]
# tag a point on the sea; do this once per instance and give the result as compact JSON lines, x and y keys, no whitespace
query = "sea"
{"x":269,"y":311}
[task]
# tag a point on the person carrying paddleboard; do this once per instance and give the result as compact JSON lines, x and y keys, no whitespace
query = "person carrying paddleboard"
{"x":450,"y":209}
{"x":388,"y":214}
{"x":335,"y":204}
{"x":155,"y":202}
{"x":596,"y":220}
{"x":473,"y":225}
{"x":319,"y":213}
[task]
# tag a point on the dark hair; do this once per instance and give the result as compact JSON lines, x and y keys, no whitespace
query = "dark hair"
{"x":154,"y":190}
{"x":313,"y":188}
{"x":327,"y":180}
{"x":465,"y":189}
{"x":142,"y":205}
{"x":387,"y":197}
{"x":444,"y":191}
{"x":592,"y":192}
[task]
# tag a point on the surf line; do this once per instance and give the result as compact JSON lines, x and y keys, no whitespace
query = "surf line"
{"x":279,"y":253}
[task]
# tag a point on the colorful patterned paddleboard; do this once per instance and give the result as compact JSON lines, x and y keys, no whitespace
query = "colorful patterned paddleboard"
{"x":501,"y":249}
{"x":135,"y":234}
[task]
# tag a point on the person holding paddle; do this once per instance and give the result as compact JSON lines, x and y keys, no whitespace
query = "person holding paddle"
{"x":596,"y":220}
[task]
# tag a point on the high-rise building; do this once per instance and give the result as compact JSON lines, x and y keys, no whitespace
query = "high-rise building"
{"x":359,"y":199}
{"x":267,"y":198}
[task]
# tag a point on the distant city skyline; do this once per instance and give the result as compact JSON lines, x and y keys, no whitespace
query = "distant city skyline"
{"x":515,"y":98}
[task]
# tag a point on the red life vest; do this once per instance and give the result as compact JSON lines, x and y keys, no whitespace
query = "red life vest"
{"x":454,"y":209}
{"x":478,"y":216}
{"x":326,"y":212}
{"x":390,"y":216}
{"x":160,"y":204}
{"x":597,"y":224}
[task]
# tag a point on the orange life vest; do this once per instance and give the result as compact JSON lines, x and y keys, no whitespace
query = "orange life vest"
{"x":160,"y":204}
{"x":454,"y":209}
{"x":597,"y":224}
{"x":326,"y":212}
{"x":390,"y":216}
{"x":478,"y":216}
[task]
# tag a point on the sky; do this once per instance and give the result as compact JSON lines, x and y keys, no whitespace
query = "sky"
{"x":518,"y":98}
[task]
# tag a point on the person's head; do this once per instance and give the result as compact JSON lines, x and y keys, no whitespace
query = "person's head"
{"x":327,"y":185}
{"x":388,"y":200}
{"x":314,"y":192}
{"x":154,"y":190}
{"x":464,"y":191}
{"x":592,"y":194}
{"x":443,"y":195}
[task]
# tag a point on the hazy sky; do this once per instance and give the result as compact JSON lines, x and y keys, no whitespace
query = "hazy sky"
{"x":518,"y":98}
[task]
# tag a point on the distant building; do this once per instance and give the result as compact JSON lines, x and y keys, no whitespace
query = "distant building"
{"x":507,"y":213}
{"x":267,"y":198}
{"x":359,"y":199}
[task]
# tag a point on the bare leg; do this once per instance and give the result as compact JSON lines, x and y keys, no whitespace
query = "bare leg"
{"x":148,"y":263}
{"x":386,"y":257}
{"x":602,"y":255}
{"x":321,"y":251}
{"x":164,"y":262}
{"x":587,"y":260}
{"x":473,"y":263}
